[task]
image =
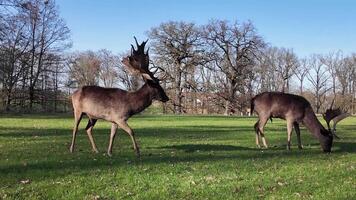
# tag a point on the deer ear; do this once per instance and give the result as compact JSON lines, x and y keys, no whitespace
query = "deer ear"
{"x":125,"y":61}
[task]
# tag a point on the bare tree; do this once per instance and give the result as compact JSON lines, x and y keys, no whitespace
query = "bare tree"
{"x":176,"y":45}
{"x":333,"y":62}
{"x":108,"y":74}
{"x":13,"y":47}
{"x":318,"y":76}
{"x":300,"y":72}
{"x":286,"y":64}
{"x":266,"y":70}
{"x":233,"y":47}
{"x":350,"y":65}
{"x":84,"y":68}
{"x":48,"y":34}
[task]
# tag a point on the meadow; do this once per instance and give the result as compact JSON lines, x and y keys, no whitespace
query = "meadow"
{"x":182,"y":157}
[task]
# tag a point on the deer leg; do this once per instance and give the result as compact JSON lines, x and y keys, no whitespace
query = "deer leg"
{"x":257,"y":134}
{"x":128,"y":130}
{"x":77,"y":117}
{"x":112,"y":136}
{"x":89,"y":128}
{"x":289,"y":132}
{"x":261,"y":125}
{"x":297,"y":132}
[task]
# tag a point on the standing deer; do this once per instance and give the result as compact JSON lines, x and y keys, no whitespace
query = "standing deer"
{"x":116,"y":105}
{"x":294,"y":109}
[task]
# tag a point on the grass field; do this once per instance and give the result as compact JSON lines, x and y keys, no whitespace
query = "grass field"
{"x":183,"y":157}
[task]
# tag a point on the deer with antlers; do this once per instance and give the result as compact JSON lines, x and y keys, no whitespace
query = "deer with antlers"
{"x":116,"y":105}
{"x":295,"y":110}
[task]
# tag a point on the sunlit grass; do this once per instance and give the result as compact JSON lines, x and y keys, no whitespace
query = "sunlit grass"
{"x":183,"y":157}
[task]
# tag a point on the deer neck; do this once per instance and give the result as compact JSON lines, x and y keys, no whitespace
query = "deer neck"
{"x":141,"y":99}
{"x":313,"y":124}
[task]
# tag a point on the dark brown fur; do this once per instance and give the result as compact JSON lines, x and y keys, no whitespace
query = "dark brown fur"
{"x":116,"y":105}
{"x":295,"y":110}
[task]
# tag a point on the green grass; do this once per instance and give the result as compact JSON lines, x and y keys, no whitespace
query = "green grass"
{"x":183,"y":157}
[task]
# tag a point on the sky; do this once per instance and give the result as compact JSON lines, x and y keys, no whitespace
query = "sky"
{"x":306,"y":26}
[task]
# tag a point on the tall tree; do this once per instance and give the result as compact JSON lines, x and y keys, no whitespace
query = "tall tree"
{"x":108,"y":74}
{"x":177,"y":45}
{"x":233,"y":47}
{"x":13,"y":49}
{"x":84,"y":69}
{"x":300,"y":72}
{"x":286,"y":63}
{"x":48,"y":34}
{"x":333,"y":62}
{"x":318,"y":76}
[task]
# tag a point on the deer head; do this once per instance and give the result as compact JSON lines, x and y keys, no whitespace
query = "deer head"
{"x":138,"y":64}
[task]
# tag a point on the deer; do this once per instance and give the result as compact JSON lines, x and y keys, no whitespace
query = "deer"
{"x":295,"y":110}
{"x":336,"y":115}
{"x":116,"y":105}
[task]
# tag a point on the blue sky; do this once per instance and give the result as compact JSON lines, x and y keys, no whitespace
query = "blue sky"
{"x":307,"y":26}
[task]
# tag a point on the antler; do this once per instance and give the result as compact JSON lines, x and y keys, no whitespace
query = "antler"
{"x":138,"y":61}
{"x":336,"y":115}
{"x":156,"y":68}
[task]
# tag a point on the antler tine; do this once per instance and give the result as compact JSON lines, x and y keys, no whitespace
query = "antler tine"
{"x":336,"y":120}
{"x":144,"y":43}
{"x":136,"y":42}
{"x":147,"y":50}
{"x":132,"y":49}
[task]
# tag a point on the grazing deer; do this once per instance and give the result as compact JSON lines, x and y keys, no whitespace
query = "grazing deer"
{"x":336,"y":115}
{"x":294,"y":109}
{"x":116,"y":105}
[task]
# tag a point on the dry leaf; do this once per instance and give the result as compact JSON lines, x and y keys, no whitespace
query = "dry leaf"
{"x":26,"y":181}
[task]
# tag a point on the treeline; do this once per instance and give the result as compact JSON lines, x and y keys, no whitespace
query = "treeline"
{"x":32,"y":40}
{"x":211,"y":68}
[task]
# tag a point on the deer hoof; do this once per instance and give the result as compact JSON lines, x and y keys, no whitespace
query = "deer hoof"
{"x":95,"y":151}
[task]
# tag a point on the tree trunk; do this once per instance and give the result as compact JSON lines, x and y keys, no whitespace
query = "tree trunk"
{"x":8,"y":102}
{"x":229,"y":103}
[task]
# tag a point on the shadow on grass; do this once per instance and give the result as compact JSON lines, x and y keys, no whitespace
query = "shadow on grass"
{"x":207,"y":147}
{"x":162,"y":132}
{"x":6,"y":131}
{"x":87,"y":161}
{"x":342,"y":147}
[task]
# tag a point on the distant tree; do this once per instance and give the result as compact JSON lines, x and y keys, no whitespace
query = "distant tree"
{"x":13,"y":48}
{"x":333,"y":62}
{"x":233,"y":48}
{"x":301,"y":72}
{"x":31,"y":35}
{"x":265,"y":72}
{"x":176,"y":46}
{"x":318,"y":77}
{"x":48,"y":34}
{"x":109,"y":64}
{"x":84,"y":68}
{"x":286,"y":63}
